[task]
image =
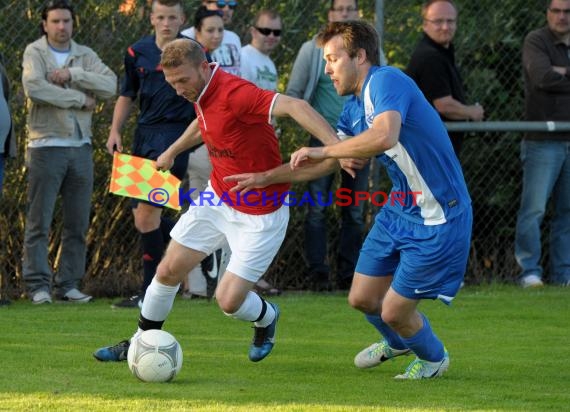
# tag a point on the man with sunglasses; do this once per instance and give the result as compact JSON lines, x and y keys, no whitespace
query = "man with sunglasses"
{"x":433,"y":68}
{"x":228,"y":54}
{"x":257,"y":66}
{"x":308,"y":81}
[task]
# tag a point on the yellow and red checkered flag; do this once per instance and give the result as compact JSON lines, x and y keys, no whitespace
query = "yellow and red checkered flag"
{"x":138,"y":178}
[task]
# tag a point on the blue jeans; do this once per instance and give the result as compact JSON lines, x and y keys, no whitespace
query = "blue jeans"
{"x":53,"y":171}
{"x":351,"y":228}
{"x":546,"y":172}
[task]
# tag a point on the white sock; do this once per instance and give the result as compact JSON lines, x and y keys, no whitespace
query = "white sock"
{"x":158,"y":301}
{"x":251,"y":308}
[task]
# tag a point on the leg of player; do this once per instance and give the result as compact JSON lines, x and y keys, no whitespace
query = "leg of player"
{"x":401,"y":314}
{"x":367,"y":294}
{"x":236,"y":299}
{"x":159,"y":296}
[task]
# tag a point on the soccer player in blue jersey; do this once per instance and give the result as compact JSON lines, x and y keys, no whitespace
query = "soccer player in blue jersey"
{"x":418,"y":246}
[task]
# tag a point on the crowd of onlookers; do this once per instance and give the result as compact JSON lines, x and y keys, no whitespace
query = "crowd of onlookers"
{"x":63,"y":81}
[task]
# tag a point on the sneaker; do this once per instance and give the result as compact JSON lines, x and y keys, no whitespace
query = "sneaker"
{"x":377,"y":353}
{"x":263,"y":339}
{"x":115,"y":353}
{"x":75,"y":296}
{"x":531,"y":281}
{"x":41,"y":297}
{"x":421,"y":369}
{"x":132,"y":302}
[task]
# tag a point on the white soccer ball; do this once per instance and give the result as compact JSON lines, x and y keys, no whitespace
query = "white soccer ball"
{"x":155,"y":356}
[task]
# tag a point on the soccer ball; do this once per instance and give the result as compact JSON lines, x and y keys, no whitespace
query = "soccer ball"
{"x":154,"y":356}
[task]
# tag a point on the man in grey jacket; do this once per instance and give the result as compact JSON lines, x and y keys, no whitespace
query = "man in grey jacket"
{"x":61,"y":80}
{"x":309,"y":82}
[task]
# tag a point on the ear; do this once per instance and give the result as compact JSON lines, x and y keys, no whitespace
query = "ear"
{"x":361,"y":56}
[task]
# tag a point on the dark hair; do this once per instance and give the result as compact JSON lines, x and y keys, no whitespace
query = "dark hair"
{"x":54,"y":5}
{"x":355,"y":35}
{"x":203,"y":13}
{"x":332,"y":4}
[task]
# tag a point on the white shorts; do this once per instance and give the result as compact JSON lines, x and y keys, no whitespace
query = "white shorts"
{"x":254,"y":240}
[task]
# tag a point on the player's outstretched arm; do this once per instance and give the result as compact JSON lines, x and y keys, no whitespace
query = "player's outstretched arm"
{"x":246,"y":182}
{"x":307,"y":117}
{"x":383,"y":135}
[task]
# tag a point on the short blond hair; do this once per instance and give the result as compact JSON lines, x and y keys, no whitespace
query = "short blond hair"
{"x":182,"y":51}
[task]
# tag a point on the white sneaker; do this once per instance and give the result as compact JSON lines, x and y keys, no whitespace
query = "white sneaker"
{"x":377,"y":353}
{"x":531,"y":281}
{"x":422,"y":369}
{"x":75,"y":296}
{"x":40,"y":297}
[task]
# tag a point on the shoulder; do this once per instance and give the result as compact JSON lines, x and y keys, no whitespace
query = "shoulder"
{"x":82,"y":50}
{"x":538,"y":35}
{"x":231,"y":37}
{"x":189,"y":32}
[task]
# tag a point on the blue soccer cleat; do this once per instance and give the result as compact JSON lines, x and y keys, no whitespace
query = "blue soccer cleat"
{"x":115,"y":353}
{"x":264,"y":339}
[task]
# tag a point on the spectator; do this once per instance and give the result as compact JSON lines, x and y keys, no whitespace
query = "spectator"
{"x":7,"y":140}
{"x":433,"y":67}
{"x":61,"y":80}
{"x":309,"y":82}
{"x":162,"y":118}
{"x":7,"y":135}
{"x":228,"y":54}
{"x":256,"y":65}
{"x":546,"y":156}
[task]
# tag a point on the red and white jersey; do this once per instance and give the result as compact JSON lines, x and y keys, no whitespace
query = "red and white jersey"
{"x":235,"y":120}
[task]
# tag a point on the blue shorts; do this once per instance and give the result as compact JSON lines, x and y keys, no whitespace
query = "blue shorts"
{"x":151,"y":141}
{"x":428,"y":262}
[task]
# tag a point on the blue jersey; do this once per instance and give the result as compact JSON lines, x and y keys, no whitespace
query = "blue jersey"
{"x":144,"y":78}
{"x":427,"y":182}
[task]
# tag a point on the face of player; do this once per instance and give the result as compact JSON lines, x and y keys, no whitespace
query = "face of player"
{"x":188,"y":80}
{"x":440,"y":23}
{"x":166,"y":21}
{"x":266,"y":43}
{"x":343,"y":10}
{"x":59,"y":28}
{"x":226,"y":7}
{"x":340,"y":67}
{"x":211,"y":32}
{"x":558,"y":17}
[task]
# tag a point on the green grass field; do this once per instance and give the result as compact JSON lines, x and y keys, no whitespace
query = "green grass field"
{"x":509,"y":350}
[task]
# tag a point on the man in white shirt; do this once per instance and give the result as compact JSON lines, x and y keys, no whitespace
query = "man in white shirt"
{"x":257,"y":66}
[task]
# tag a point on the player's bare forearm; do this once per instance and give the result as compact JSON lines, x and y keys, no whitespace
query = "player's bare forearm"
{"x":190,"y":138}
{"x":307,"y":117}
{"x":246,"y":182}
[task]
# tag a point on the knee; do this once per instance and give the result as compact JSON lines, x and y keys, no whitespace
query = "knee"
{"x":360,"y":303}
{"x":391,"y":318}
{"x":228,"y":306}
{"x":166,"y":275}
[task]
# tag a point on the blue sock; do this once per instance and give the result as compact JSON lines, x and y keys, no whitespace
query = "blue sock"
{"x":425,"y":344}
{"x":389,"y":334}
